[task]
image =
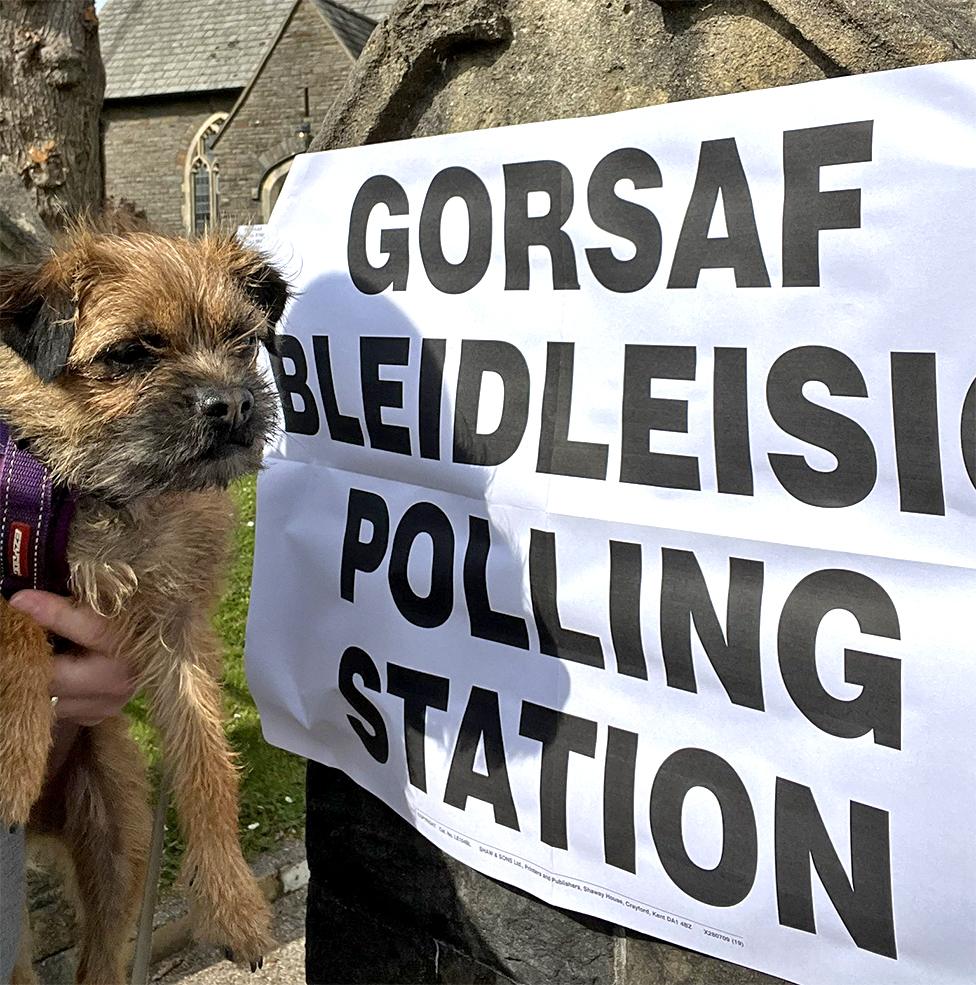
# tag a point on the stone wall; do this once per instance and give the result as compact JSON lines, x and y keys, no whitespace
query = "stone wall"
{"x":146,"y":144}
{"x":385,"y":905}
{"x":263,"y":129}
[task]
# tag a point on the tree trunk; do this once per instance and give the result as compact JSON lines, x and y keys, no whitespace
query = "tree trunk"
{"x":51,"y":87}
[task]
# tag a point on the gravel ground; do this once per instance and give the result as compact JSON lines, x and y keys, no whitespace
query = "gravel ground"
{"x":201,"y":965}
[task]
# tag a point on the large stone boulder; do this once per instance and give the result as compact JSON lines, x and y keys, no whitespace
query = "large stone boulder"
{"x":440,"y":66}
{"x":384,"y":904}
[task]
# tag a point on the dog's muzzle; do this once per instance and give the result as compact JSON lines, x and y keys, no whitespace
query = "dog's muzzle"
{"x":227,"y":412}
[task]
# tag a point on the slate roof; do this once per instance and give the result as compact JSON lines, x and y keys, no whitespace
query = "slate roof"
{"x":157,"y":47}
{"x":353,"y":20}
{"x":351,"y":27}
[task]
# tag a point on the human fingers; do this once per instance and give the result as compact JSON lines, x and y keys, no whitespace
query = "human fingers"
{"x":92,"y":676}
{"x":90,"y":687}
{"x":82,"y":712}
{"x":60,"y":615}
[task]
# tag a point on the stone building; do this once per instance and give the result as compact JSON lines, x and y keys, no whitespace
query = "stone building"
{"x":207,"y":102}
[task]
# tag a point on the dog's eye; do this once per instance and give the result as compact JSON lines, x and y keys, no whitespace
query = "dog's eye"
{"x":127,"y":354}
{"x":131,"y":352}
{"x":135,"y":352}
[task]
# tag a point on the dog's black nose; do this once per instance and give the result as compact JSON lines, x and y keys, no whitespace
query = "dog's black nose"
{"x":231,"y":406}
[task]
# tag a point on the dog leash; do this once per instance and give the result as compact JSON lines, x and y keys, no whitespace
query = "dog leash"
{"x":35,"y":519}
{"x":143,"y":949}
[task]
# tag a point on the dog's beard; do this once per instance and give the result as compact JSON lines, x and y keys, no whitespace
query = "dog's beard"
{"x":166,"y":448}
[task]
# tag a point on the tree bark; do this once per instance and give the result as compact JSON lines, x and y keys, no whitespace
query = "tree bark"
{"x":51,"y":87}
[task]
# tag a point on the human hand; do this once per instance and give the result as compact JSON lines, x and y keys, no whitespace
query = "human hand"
{"x":93,"y":683}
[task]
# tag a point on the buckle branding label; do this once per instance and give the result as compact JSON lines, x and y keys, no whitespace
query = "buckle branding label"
{"x":18,"y":551}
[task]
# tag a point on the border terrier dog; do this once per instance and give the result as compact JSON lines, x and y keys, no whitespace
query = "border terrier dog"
{"x":128,"y":367}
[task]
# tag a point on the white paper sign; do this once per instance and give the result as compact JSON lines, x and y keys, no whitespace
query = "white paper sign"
{"x":622,"y":535}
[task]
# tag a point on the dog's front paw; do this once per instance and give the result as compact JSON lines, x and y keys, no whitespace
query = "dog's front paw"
{"x":234,"y":916}
{"x":249,"y":940}
{"x":255,"y":965}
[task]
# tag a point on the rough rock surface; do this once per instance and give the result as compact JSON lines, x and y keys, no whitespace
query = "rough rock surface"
{"x":439,"y":66}
{"x":384,"y":905}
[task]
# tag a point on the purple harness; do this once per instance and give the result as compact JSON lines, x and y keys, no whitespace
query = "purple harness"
{"x":35,"y":516}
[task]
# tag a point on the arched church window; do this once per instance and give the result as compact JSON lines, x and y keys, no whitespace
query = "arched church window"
{"x":201,"y":193}
{"x":272,"y":181}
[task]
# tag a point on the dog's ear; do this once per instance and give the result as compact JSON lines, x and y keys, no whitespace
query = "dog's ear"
{"x":269,"y":292}
{"x":36,"y":321}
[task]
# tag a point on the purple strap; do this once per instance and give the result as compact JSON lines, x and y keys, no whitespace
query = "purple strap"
{"x":35,"y":517}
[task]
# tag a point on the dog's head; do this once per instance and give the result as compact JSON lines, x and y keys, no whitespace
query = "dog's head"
{"x":129,"y":361}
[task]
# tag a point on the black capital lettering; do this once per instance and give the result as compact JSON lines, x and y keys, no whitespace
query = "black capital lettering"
{"x":627,"y":219}
{"x":806,"y":209}
{"x":863,"y":901}
{"x":456,"y":278}
{"x":733,"y":654}
{"x":642,"y":413}
{"x":558,"y":455}
{"x":967,"y":432}
{"x":730,"y":419}
{"x":434,"y":608}
{"x":376,"y":351}
{"x":359,"y":554}
{"x":354,"y":663}
{"x":619,"y":838}
{"x":719,"y":172}
{"x":554,"y":638}
{"x":626,"y":570}
{"x":419,"y":692}
{"x":857,"y":467}
{"x":298,"y":420}
{"x":479,"y":357}
{"x":429,"y":397}
{"x":342,"y":427}
{"x":731,"y":880}
{"x":878,"y":707}
{"x":523,"y":231}
{"x":560,"y":734}
{"x":481,"y":724}
{"x":915,"y":407}
{"x":485,"y":622}
{"x":378,"y":190}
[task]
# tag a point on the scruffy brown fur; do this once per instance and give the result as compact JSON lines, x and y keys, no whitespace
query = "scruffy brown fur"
{"x":112,"y":350}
